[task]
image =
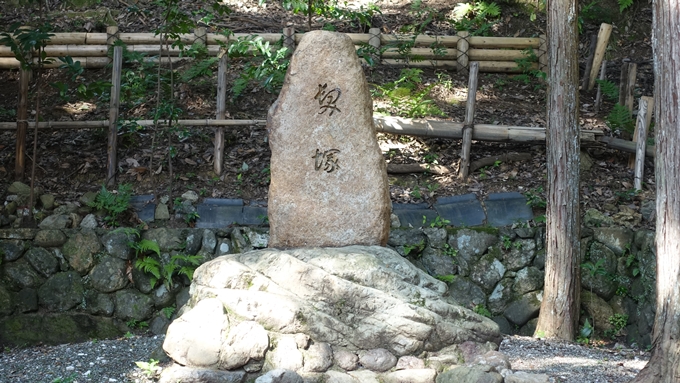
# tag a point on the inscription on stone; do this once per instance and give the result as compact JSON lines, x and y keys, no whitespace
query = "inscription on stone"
{"x":327,"y":99}
{"x":326,"y":160}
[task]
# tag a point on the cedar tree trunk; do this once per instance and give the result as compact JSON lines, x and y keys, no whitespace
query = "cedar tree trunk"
{"x":664,"y":364}
{"x":558,"y":317}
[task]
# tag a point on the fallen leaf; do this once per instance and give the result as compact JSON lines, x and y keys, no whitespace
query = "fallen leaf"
{"x":190,"y":162}
{"x":132,"y":162}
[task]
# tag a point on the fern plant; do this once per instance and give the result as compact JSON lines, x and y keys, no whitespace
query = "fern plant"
{"x":619,"y":119}
{"x":179,"y":264}
{"x":114,"y":204}
{"x":477,"y":18}
{"x":609,"y":89}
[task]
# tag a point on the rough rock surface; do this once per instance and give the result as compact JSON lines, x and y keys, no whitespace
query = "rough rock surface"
{"x":328,"y":179}
{"x":306,"y":309}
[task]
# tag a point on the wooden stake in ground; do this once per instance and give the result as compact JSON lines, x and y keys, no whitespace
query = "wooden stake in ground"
{"x":469,"y":121}
{"x":22,"y":126}
{"x":111,"y":164}
{"x":602,"y":42}
{"x":648,"y":121}
{"x":603,"y":75}
{"x":221,"y":113}
{"x":627,"y":85}
{"x":641,"y":129}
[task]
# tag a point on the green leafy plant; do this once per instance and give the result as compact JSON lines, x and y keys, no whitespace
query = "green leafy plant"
{"x":483,"y":311}
{"x":406,"y":97}
{"x":476,"y":17}
{"x":418,"y":247}
{"x":527,"y":65}
{"x":507,"y":242}
{"x":416,"y":193}
{"x":595,"y":269}
{"x":619,"y":322}
{"x":150,"y":368}
{"x":450,"y":251}
{"x":114,"y":204}
{"x":535,"y":198}
{"x":168,"y":311}
{"x":266,"y":64}
{"x":619,"y":119}
{"x":137,"y":324}
{"x":446,"y":278}
{"x":608,"y":89}
{"x":438,"y":222}
{"x":586,"y":330}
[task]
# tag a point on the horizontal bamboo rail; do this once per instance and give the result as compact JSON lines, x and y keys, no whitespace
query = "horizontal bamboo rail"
{"x":495,"y":54}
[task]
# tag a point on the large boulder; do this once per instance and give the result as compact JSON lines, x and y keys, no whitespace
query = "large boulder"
{"x":366,"y":304}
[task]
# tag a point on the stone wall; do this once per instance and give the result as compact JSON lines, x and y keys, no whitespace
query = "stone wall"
{"x":59,"y":286}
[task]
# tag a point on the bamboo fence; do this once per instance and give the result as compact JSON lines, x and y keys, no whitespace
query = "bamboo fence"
{"x":494,"y":54}
{"x":491,"y":54}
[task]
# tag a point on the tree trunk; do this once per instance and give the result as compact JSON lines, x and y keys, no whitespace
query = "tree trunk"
{"x":560,"y":307}
{"x":664,"y":364}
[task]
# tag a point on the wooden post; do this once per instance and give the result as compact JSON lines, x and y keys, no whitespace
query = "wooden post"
{"x":469,"y":121}
{"x":648,"y":121}
{"x":543,"y":54}
{"x":22,"y":125}
{"x":589,"y":62}
{"x":112,"y":161}
{"x":374,"y":41}
{"x":627,"y":85}
{"x":463,"y":47}
{"x":602,"y":42}
{"x":221,"y":112}
{"x":641,"y":144}
{"x":603,"y":75}
{"x":201,"y":36}
{"x":289,"y":39}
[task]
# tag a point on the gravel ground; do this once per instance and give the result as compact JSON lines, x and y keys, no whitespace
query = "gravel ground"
{"x":114,"y":361}
{"x":568,"y":362}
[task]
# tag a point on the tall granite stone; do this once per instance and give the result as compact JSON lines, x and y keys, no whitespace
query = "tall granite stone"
{"x":328,"y":179}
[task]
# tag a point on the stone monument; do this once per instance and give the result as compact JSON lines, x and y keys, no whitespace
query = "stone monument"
{"x":328,"y":179}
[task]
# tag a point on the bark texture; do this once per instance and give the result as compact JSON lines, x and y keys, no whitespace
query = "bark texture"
{"x":558,"y":317}
{"x":664,"y":364}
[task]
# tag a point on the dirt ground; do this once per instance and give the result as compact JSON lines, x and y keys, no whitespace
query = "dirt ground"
{"x":72,"y":162}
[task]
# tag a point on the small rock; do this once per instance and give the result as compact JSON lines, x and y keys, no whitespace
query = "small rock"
{"x":19,"y":188}
{"x":47,"y":201}
{"x":53,"y":222}
{"x":280,"y":376}
{"x":190,"y":196}
{"x":89,"y":222}
{"x":162,"y":212}
{"x":346,"y":360}
{"x":377,"y":359}
{"x":88,"y":198}
{"x":408,"y":362}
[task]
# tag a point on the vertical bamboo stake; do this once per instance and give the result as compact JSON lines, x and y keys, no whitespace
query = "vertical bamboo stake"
{"x":641,"y":144}
{"x":374,"y":41}
{"x":22,"y":125}
{"x":648,"y":121}
{"x":114,"y":106}
{"x":289,"y":38}
{"x":543,"y":54}
{"x":463,"y":48}
{"x":111,"y":164}
{"x":589,"y":62}
{"x":603,"y":75}
{"x":627,"y":84}
{"x":602,"y":42}
{"x":469,"y":121}
{"x":221,"y":112}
